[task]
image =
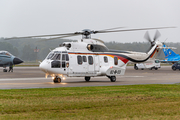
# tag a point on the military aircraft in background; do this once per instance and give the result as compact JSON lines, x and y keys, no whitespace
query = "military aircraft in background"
{"x":8,"y":60}
{"x":170,"y":55}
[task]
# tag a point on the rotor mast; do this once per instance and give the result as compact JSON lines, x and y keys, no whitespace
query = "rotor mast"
{"x":86,"y":34}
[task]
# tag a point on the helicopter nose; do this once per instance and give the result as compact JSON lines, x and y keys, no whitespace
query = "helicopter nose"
{"x":42,"y":66}
{"x":17,"y":61}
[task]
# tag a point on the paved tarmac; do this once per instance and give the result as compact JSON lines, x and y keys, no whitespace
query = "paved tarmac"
{"x":32,"y":77}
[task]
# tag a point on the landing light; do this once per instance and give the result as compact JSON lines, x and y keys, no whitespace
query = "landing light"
{"x":53,"y":78}
{"x":63,"y":78}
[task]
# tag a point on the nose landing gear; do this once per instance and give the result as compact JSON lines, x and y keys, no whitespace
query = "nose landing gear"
{"x":57,"y":79}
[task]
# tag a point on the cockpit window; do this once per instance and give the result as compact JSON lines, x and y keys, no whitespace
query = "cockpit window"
{"x":5,"y":53}
{"x":63,"y":56}
{"x":50,"y":55}
{"x":56,"y":57}
{"x":67,"y":57}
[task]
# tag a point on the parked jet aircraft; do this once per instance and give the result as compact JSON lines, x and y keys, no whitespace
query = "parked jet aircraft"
{"x":170,"y":55}
{"x":8,"y":60}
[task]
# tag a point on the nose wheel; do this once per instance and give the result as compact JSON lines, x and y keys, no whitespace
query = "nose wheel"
{"x":57,"y":80}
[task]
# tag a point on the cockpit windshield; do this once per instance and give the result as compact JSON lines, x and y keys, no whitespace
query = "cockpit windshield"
{"x":55,"y":55}
{"x":58,"y":55}
{"x":5,"y":53}
{"x":50,"y":55}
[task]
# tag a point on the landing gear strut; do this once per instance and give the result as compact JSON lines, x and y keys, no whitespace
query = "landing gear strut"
{"x":57,"y":80}
{"x":112,"y":78}
{"x":87,"y":79}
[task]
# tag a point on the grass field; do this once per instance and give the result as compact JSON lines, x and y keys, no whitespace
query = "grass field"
{"x":97,"y":103}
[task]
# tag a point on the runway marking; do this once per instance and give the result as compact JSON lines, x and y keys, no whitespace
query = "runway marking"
{"x":133,"y":76}
{"x":10,"y":79}
{"x":52,"y":83}
{"x":17,"y":83}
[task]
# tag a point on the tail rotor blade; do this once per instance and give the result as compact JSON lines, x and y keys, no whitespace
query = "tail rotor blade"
{"x":157,"y":35}
{"x":147,"y":37}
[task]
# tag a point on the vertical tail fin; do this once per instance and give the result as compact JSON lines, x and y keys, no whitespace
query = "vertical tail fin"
{"x":168,"y":52}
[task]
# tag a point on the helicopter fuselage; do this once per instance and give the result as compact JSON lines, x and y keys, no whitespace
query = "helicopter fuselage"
{"x":89,"y":58}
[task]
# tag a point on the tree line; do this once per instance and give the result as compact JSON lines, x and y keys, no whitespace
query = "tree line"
{"x":26,"y":48}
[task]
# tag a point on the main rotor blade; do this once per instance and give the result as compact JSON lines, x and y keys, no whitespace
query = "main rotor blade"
{"x":70,"y":34}
{"x":132,"y":30}
{"x":157,"y":35}
{"x":111,"y":29}
{"x":90,"y":32}
{"x":59,"y":37}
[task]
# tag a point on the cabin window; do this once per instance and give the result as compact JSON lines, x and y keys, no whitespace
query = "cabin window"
{"x":79,"y":60}
{"x":105,"y":59}
{"x":90,"y":59}
{"x":115,"y":60}
{"x":84,"y":59}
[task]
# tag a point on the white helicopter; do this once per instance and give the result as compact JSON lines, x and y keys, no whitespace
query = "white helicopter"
{"x":90,"y":57}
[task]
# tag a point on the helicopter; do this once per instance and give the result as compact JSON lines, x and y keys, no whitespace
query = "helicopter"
{"x":7,"y":59}
{"x":89,"y":57}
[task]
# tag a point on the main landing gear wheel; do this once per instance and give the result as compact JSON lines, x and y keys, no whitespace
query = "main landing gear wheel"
{"x":112,"y":78}
{"x":4,"y":70}
{"x":87,"y":79}
{"x":57,"y":80}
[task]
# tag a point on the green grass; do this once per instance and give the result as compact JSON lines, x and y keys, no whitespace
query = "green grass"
{"x":108,"y":102}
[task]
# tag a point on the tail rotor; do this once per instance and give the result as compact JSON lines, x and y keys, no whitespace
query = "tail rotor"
{"x":152,"y":42}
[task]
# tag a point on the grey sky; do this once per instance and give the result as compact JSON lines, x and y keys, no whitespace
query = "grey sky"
{"x":39,"y":17}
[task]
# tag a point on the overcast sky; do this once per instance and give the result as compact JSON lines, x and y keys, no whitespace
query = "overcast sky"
{"x":39,"y":17}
